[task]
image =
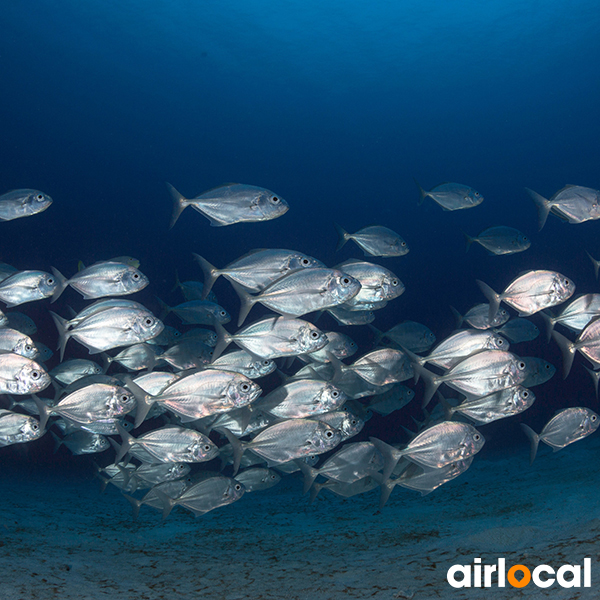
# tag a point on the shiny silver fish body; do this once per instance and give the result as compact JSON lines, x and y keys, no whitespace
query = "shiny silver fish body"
{"x":27,"y":286}
{"x":374,"y":240}
{"x":233,"y":203}
{"x":240,"y":361}
{"x":22,"y":203}
{"x":452,"y":196}
{"x":500,"y":240}
{"x":573,"y":204}
{"x":20,"y":375}
{"x":377,"y":284}
{"x":16,"y":428}
{"x":14,"y":341}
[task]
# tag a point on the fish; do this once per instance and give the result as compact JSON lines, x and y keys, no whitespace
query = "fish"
{"x":6,"y":270}
{"x":287,"y":440}
{"x":197,"y":312}
{"x":301,"y":292}
{"x":273,"y":337}
{"x":573,"y":204}
{"x":518,"y":330}
{"x":71,"y":370}
{"x":14,"y":341}
{"x":21,"y":376}
{"x":374,"y":240}
{"x":135,"y":358}
{"x":187,"y":354}
{"x":435,"y":447}
{"x":587,"y":342}
{"x":411,"y":335}
{"x":531,"y":292}
{"x":451,"y":196}
{"x":258,"y":479}
{"x":595,"y":264}
{"x":231,"y":203}
{"x":567,"y":426}
{"x":109,"y":328}
{"x":425,"y":479}
{"x":575,"y":316}
{"x":344,"y":316}
{"x":494,"y":406}
{"x":257,"y":269}
{"x":500,"y":240}
{"x":82,"y":442}
{"x":394,"y":399}
{"x":239,"y":361}
{"x":16,"y":428}
{"x":23,"y":203}
{"x":27,"y":286}
{"x":339,"y":344}
{"x":3,"y":320}
{"x":478,"y":375}
{"x":102,"y":279}
{"x":537,"y":371}
{"x":478,"y":317}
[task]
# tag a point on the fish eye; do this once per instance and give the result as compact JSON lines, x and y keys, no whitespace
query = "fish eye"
{"x":314,"y":335}
{"x":148,"y":321}
{"x":50,"y":281}
{"x":275,"y":200}
{"x":245,"y":387}
{"x":223,"y":313}
{"x":206,"y":447}
{"x":136,"y":276}
{"x":476,"y":194}
{"x":476,"y":437}
{"x":273,"y":477}
{"x":29,"y":348}
{"x":305,"y":262}
{"x":567,"y":282}
{"x":547,"y":366}
{"x":39,"y":197}
{"x":346,"y":281}
{"x":35,"y":427}
{"x":266,"y":363}
{"x":394,"y":282}
{"x":329,"y":434}
{"x":593,"y":418}
{"x":335,"y":394}
{"x":35,"y":374}
{"x":521,"y":365}
{"x":238,"y":487}
{"x":525,"y":394}
{"x":500,"y":342}
{"x":354,"y":422}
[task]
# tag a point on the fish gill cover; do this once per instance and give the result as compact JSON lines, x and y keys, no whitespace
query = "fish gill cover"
{"x":336,"y":109}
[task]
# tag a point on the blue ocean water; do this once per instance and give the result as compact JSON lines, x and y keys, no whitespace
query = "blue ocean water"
{"x":336,"y":106}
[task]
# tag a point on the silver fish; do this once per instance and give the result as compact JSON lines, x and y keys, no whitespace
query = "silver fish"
{"x":477,"y":375}
{"x":451,"y":196}
{"x":500,"y":240}
{"x":168,"y":444}
{"x":537,"y":371}
{"x":587,"y":342}
{"x":576,"y":315}
{"x":434,"y":447}
{"x":21,"y":322}
{"x":530,"y":292}
{"x":14,"y":341}
{"x":394,"y":399}
{"x":27,"y":286}
{"x":135,"y":358}
{"x":573,"y":203}
{"x":207,"y":336}
{"x":107,"y":329}
{"x":257,"y":269}
{"x":204,"y":496}
{"x":339,"y":344}
{"x":6,"y":270}
{"x":274,"y":337}
{"x":194,"y":290}
{"x":344,"y":316}
{"x":345,"y":421}
{"x":374,"y":240}
{"x":411,"y":335}
{"x":3,"y":319}
{"x":232,"y":203}
{"x":381,"y":367}
{"x":479,"y":317}
{"x":301,"y":399}
{"x":102,"y":279}
{"x":285,"y":441}
{"x":82,"y":442}
{"x":20,"y":375}
{"x":498,"y":405}
{"x":240,"y":361}
{"x":168,"y":336}
{"x":188,"y":354}
{"x":16,"y":428}
{"x":258,"y":479}
{"x":301,"y":292}
{"x":74,"y":369}
{"x":23,"y":203}
{"x":566,"y":427}
{"x":197,"y":312}
{"x":426,"y":479}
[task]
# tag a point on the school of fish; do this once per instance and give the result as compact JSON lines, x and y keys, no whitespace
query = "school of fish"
{"x":184,"y":418}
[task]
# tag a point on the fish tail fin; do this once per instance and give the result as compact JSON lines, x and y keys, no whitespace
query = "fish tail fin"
{"x":125,"y":446}
{"x":314,"y":491}
{"x":458,"y":318}
{"x":534,"y":440}
{"x":568,"y":352}
{"x":179,"y":203}
{"x":310,"y":474}
{"x":57,"y":442}
{"x":135,"y":505}
{"x":548,"y":322}
{"x":62,"y":325}
{"x":391,"y":456}
{"x":386,"y":487}
{"x":177,"y":282}
{"x":45,"y":412}
{"x":422,"y":193}
{"x":595,"y":262}
{"x":167,"y":502}
{"x":144,"y":401}
{"x":594,"y":376}
{"x":449,"y":410}
{"x":165,"y":309}
{"x":236,"y":445}
{"x":61,"y":283}
{"x":211,"y":274}
{"x":492,"y":297}
{"x":431,"y":383}
{"x":379,"y":335}
{"x":542,"y":205}
{"x":247,"y":301}
{"x":223,"y":340}
{"x":343,"y":237}
{"x":469,"y":240}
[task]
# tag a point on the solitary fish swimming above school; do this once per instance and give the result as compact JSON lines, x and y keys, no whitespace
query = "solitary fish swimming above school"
{"x":231,"y":203}
{"x":22,"y":203}
{"x":452,"y":196}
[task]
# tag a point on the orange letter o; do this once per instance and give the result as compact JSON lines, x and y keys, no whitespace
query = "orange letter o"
{"x":514,"y":581}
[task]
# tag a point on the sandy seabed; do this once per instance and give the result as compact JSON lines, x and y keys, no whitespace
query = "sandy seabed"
{"x":62,"y":539}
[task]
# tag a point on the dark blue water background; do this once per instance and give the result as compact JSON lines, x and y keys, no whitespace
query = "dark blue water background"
{"x":336,"y":106}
